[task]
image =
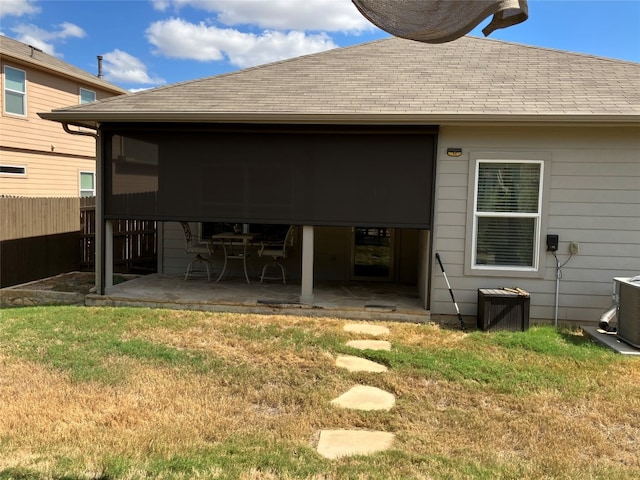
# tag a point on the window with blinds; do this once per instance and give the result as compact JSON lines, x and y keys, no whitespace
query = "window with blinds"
{"x":507,"y":214}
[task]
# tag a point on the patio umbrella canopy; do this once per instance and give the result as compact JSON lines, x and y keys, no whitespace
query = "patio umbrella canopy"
{"x":439,"y":21}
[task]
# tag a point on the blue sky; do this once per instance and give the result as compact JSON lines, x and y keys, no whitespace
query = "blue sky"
{"x":147,"y":43}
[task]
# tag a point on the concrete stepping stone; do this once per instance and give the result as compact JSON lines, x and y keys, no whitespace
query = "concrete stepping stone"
{"x":357,"y":364}
{"x":366,"y":398}
{"x":341,"y":443}
{"x":369,"y":344}
{"x":375,"y":330}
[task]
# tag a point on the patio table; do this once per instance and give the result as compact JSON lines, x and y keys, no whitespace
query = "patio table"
{"x":234,"y":246}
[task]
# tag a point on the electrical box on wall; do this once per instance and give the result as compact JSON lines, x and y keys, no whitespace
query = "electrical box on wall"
{"x":552,"y":243}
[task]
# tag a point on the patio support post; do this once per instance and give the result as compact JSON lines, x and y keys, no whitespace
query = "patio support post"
{"x":306,"y":294}
{"x":108,"y":253}
{"x":99,"y":260}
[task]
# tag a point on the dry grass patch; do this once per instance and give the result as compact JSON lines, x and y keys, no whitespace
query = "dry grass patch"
{"x":128,"y":394}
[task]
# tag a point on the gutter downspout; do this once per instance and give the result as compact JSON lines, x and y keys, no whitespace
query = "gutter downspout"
{"x":101,"y":265}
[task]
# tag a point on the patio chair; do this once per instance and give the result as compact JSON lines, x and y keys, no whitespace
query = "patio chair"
{"x":192,"y":246}
{"x":277,"y":251}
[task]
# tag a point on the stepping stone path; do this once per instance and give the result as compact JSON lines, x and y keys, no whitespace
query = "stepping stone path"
{"x":375,"y":330}
{"x":369,"y":344}
{"x":366,"y":398}
{"x":357,"y":364}
{"x":340,"y":443}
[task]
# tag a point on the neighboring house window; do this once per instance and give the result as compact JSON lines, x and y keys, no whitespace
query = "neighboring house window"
{"x":507,"y":214}
{"x":13,"y":170}
{"x":87,"y":184}
{"x":87,"y":96}
{"x":15,"y":91}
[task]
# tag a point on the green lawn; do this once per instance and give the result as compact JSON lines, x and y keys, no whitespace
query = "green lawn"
{"x":119,"y":393}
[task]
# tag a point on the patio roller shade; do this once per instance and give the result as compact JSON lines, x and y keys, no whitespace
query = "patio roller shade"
{"x":320,"y":176}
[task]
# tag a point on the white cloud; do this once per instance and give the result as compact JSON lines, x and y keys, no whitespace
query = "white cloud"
{"x":68,"y":29}
{"x":317,"y":15}
{"x":18,"y":8}
{"x":45,"y":39}
{"x":272,"y":46}
{"x":119,"y":66}
{"x":177,"y":38}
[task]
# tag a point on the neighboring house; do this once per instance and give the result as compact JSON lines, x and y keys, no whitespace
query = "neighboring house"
{"x":37,"y":158}
{"x":388,"y":152}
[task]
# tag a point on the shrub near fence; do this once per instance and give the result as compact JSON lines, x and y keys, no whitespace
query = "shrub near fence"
{"x":39,"y":237}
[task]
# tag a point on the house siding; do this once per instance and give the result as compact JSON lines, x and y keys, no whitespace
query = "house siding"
{"x":52,"y":157}
{"x":174,"y":259}
{"x":47,"y":175}
{"x":592,"y":197}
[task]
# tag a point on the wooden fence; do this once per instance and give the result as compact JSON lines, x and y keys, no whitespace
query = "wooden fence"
{"x":24,"y":217}
{"x":135,"y":242}
{"x":41,"y":237}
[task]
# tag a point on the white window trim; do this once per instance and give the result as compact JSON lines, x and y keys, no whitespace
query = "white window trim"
{"x":95,"y":96}
{"x":9,"y":174}
{"x":6,"y":89}
{"x":542,"y":157}
{"x":80,"y":189}
{"x":536,"y":216}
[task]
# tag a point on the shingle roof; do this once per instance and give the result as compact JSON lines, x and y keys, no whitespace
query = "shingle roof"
{"x":23,"y":53}
{"x":396,"y":80}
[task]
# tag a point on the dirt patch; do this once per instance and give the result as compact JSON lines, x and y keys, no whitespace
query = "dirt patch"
{"x":73,"y":282}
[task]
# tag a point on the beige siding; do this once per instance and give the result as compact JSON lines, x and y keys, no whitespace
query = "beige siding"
{"x":47,"y":174}
{"x":593,"y":198}
{"x":53,"y":158}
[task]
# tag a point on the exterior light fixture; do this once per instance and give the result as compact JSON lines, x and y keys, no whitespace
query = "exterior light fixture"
{"x":454,"y":152}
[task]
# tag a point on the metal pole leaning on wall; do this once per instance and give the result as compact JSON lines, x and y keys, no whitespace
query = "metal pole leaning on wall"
{"x":462,"y":324}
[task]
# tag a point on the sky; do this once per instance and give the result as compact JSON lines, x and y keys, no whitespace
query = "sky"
{"x":149,"y":43}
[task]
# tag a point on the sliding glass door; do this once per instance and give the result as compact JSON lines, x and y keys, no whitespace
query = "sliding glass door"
{"x":372,"y":253}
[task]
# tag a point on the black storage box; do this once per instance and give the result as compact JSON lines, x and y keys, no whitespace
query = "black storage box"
{"x":500,"y":309}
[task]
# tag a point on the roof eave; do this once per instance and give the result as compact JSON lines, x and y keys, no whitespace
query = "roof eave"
{"x":94,"y":119}
{"x":97,"y":82}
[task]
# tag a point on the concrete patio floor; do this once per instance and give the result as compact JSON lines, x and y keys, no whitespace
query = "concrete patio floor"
{"x":352,"y":300}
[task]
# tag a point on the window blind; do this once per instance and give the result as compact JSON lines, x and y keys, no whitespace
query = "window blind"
{"x":507,"y":213}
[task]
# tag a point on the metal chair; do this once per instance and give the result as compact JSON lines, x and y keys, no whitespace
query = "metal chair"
{"x":277,"y":251}
{"x":192,"y":246}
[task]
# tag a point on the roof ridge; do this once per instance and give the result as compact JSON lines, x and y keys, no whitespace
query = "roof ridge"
{"x":395,"y":80}
{"x":243,"y":71}
{"x":277,"y":63}
{"x":551,"y":49}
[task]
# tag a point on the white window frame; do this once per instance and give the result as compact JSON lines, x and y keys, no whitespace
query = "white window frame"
{"x":11,"y":174}
{"x":536,"y":216}
{"x":80,"y":189}
{"x":82,"y":89}
{"x":7,"y":89}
